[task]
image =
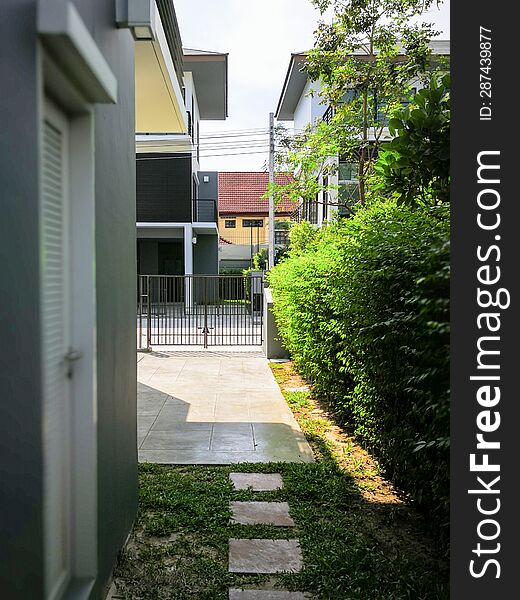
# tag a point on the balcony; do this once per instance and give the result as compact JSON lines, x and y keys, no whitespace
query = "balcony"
{"x":204,"y":211}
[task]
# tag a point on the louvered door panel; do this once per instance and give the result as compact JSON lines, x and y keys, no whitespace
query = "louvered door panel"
{"x":55,"y":338}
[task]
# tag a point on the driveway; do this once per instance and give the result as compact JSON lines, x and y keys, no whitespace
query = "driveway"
{"x":211,"y":407}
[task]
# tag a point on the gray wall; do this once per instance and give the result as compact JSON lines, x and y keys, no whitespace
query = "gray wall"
{"x":205,"y":252}
{"x":116,"y":293}
{"x":209,"y":190}
{"x":21,"y":569}
{"x":205,"y":255}
{"x":20,"y":395}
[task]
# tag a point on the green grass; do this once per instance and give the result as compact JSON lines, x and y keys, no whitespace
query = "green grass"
{"x":360,"y":541}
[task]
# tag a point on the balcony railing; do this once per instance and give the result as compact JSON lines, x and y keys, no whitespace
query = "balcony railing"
{"x":329,"y":114}
{"x":204,"y":211}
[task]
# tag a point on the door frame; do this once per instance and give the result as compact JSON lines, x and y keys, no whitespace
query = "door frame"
{"x":73,"y":71}
{"x":83,"y":521}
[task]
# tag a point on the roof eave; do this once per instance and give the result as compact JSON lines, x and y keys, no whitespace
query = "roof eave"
{"x":191,"y":60}
{"x":285,"y":113}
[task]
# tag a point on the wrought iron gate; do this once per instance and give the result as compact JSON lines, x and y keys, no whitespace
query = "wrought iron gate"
{"x":199,"y":310}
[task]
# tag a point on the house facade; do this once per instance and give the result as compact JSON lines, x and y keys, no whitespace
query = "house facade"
{"x":79,"y":76}
{"x":300,"y":105}
{"x":177,"y":231}
{"x":243,"y":217}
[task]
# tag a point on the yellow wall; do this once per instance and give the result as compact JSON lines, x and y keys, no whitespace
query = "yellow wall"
{"x":242,"y":235}
{"x":159,"y":106}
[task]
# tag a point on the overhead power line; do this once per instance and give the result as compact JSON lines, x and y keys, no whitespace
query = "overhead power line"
{"x":235,"y":131}
{"x":139,"y":158}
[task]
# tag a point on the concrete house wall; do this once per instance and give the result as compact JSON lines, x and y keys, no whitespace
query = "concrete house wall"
{"x":21,"y":477}
{"x":309,"y":107}
{"x":205,"y":252}
{"x":208,"y":190}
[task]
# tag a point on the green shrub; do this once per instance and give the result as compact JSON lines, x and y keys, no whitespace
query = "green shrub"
{"x":363,"y":307}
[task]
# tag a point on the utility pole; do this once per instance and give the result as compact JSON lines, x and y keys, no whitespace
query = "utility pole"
{"x":271,"y":196}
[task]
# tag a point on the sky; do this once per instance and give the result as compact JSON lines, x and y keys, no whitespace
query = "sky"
{"x":259,"y":36}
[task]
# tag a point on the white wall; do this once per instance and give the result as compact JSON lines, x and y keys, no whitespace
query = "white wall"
{"x":309,"y":108}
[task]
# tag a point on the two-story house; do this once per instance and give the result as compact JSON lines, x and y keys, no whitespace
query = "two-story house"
{"x":300,"y":105}
{"x":177,"y":232}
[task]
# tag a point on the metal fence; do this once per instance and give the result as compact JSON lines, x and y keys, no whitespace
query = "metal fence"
{"x":199,"y":310}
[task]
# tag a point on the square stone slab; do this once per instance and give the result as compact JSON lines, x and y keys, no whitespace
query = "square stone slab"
{"x":265,"y":513}
{"x":264,"y":556}
{"x":265,"y":595}
{"x":258,"y":482}
{"x":235,"y":437}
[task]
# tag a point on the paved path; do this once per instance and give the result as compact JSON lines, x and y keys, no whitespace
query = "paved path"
{"x":262,"y":555}
{"x":214,"y":408}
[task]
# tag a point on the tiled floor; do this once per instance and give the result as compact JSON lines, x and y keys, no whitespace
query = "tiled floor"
{"x":214,"y":408}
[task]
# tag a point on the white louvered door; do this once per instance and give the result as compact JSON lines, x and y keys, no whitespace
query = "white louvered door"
{"x":55,"y":282}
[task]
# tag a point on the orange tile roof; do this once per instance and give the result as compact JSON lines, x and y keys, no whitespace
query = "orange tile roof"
{"x":240,"y":193}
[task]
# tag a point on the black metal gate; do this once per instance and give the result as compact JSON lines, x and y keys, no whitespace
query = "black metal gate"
{"x":199,"y":310}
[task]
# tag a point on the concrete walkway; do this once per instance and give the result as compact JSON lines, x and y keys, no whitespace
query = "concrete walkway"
{"x":212,"y":407}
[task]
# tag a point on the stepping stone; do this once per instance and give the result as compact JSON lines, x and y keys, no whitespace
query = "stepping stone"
{"x":265,"y":595}
{"x":258,"y":482}
{"x":261,"y":513}
{"x":264,"y":556}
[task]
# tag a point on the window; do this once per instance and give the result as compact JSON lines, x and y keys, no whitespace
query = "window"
{"x":310,"y":210}
{"x":252,"y":222}
{"x":380,"y":107}
{"x":281,"y":237}
{"x":230,"y":223}
{"x":326,"y":199}
{"x":348,"y":193}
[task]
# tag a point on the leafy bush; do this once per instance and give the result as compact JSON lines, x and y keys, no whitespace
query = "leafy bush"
{"x":363,"y":308}
{"x":260,"y":259}
{"x":415,"y":165}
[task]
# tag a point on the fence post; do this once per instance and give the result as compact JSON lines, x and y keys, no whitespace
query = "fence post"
{"x":205,"y":312}
{"x":140,"y":308}
{"x":149,"y":317}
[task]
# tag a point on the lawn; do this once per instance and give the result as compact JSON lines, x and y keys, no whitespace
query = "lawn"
{"x":359,"y":538}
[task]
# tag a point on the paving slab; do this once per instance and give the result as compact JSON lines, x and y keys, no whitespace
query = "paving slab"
{"x":234,"y":437}
{"x":258,"y":482}
{"x":261,"y":513}
{"x":264,"y":556}
{"x":177,"y":439}
{"x":214,"y":408}
{"x":265,"y":595}
{"x":204,"y":456}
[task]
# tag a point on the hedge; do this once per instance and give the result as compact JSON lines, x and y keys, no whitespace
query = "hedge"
{"x":362,"y":306}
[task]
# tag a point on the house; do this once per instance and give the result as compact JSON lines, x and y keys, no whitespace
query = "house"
{"x":301,"y":105}
{"x":177,"y":230}
{"x":77,"y":76}
{"x":243,"y":216}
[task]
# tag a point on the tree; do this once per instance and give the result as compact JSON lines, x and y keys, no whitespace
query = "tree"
{"x":415,"y":166}
{"x":366,"y":60}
